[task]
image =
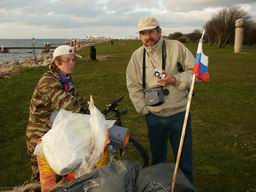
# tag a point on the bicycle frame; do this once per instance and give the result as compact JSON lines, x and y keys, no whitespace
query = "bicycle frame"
{"x":120,"y":136}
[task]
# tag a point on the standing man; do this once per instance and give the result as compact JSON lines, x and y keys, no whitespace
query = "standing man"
{"x":167,"y":64}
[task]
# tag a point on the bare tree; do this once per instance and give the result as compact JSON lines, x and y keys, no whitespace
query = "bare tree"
{"x":221,"y":27}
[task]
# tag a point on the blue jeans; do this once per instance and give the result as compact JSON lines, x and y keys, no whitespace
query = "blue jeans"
{"x":160,"y":129}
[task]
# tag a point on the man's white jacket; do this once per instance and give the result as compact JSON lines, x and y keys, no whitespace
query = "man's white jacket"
{"x":176,"y":100}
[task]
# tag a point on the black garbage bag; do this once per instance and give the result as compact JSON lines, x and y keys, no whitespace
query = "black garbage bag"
{"x":158,"y":178}
{"x":118,"y":176}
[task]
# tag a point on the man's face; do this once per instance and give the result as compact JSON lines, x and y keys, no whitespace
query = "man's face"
{"x":150,"y":37}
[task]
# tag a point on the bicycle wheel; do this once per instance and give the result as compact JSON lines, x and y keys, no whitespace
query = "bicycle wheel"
{"x":134,"y":151}
{"x":142,"y":151}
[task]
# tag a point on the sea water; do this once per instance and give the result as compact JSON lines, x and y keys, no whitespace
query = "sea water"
{"x":16,"y":54}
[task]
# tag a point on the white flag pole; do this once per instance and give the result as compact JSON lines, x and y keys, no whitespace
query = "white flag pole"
{"x":183,"y":134}
{"x":185,"y":122}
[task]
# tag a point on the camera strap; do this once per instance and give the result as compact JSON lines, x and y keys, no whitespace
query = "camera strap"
{"x":144,"y":63}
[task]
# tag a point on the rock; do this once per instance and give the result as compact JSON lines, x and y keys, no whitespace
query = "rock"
{"x":46,"y":62}
{"x":27,"y":64}
{"x":12,"y":68}
{"x":22,"y":60}
{"x":5,"y":74}
{"x":13,"y":63}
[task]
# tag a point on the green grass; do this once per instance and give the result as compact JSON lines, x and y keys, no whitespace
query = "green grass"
{"x":223,"y":113}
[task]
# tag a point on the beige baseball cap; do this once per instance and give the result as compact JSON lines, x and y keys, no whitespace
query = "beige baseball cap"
{"x":147,"y":23}
{"x":64,"y":50}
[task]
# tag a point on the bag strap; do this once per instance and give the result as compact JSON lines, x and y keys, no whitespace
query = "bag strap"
{"x":144,"y":70}
{"x":164,"y":55}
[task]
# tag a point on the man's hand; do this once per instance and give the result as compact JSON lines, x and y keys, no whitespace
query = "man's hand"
{"x":168,"y":80}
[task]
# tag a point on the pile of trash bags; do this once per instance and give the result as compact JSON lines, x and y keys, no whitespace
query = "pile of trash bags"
{"x":75,"y":144}
{"x":128,"y":176}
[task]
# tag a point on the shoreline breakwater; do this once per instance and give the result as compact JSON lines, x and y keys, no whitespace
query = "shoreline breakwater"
{"x":15,"y":66}
{"x":11,"y":68}
{"x":13,"y":62}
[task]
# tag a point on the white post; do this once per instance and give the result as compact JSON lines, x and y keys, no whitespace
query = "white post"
{"x":33,"y":50}
{"x":239,"y":36}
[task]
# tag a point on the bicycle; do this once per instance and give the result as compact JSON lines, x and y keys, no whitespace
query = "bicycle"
{"x":120,"y":137}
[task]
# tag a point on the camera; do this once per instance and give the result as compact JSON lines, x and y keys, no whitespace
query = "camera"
{"x":158,"y":73}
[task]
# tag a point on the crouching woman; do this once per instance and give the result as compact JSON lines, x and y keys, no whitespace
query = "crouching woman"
{"x":54,"y":91}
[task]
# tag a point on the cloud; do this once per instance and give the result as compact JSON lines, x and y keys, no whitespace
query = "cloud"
{"x":83,"y":16}
{"x":188,"y":5}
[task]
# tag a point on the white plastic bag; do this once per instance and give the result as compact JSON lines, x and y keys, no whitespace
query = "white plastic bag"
{"x":76,"y":141}
{"x":66,"y":143}
{"x":98,"y":125}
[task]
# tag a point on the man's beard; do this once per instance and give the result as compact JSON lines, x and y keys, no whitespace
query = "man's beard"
{"x":151,"y":42}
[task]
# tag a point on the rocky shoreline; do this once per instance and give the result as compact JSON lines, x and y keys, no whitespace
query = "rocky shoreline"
{"x":11,"y":68}
{"x":14,"y":67}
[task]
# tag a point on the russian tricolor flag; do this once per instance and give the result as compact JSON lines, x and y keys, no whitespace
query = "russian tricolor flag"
{"x":201,"y":63}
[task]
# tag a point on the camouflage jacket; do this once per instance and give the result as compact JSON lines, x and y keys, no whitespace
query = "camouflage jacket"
{"x":48,"y":96}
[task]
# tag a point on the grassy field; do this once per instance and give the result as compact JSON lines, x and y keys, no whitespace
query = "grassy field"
{"x":223,"y":113}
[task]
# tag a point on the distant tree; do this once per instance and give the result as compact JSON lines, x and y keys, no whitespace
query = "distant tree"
{"x":221,"y":27}
{"x":183,"y":39}
{"x":197,"y":31}
{"x":175,"y":35}
{"x":250,"y":33}
{"x":194,"y":36}
{"x":166,"y":37}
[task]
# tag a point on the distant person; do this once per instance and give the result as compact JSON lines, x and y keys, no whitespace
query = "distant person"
{"x":54,"y":91}
{"x":46,"y":48}
{"x":168,"y":63}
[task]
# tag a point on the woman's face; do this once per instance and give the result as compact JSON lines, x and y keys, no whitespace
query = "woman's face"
{"x":66,"y":63}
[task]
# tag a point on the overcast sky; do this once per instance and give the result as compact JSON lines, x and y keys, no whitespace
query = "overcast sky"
{"x":111,"y":18}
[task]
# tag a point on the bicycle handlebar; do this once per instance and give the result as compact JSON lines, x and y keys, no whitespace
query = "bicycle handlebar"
{"x":115,"y":102}
{"x":113,"y":105}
